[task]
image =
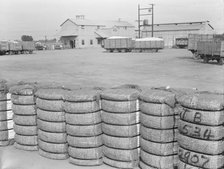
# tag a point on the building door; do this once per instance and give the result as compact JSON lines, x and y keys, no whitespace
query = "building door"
{"x":71,"y":44}
{"x":74,"y":44}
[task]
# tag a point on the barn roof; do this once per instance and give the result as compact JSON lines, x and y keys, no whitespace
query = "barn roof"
{"x":109,"y":24}
{"x":177,"y":26}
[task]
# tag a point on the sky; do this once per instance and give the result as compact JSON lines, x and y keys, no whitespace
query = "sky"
{"x":40,"y":18}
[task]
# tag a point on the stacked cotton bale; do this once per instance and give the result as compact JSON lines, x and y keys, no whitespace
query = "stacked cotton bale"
{"x":6,"y":123}
{"x":158,"y":130}
{"x":201,"y":131}
{"x":52,"y":137}
{"x":83,"y":124}
{"x":120,"y":115}
{"x":25,"y":123}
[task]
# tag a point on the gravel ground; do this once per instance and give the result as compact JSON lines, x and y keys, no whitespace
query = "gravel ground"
{"x":95,"y":67}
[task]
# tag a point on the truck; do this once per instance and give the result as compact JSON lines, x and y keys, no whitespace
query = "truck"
{"x":4,"y":47}
{"x":193,"y":41}
{"x":150,"y":44}
{"x":117,"y":43}
{"x":182,"y":42}
{"x":211,"y":50}
{"x":27,"y":46}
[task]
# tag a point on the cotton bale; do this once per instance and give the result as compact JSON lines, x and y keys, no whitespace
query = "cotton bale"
{"x":122,"y":131}
{"x":6,"y":115}
{"x":55,"y":156}
{"x":6,"y":125}
{"x":121,"y":155}
{"x":159,"y":122}
{"x":54,"y":127}
{"x":85,"y":153}
{"x":25,"y":147}
{"x":83,"y":118}
{"x":26,"y":140}
{"x":85,"y":142}
{"x":53,"y":147}
{"x":161,"y":149}
{"x":83,"y":131}
{"x":200,"y":160}
{"x":121,"y":142}
{"x":120,"y":100}
{"x":52,"y":137}
{"x":51,"y":115}
{"x":24,"y":109}
{"x":157,"y":135}
{"x":201,"y":131}
{"x":120,"y":164}
{"x":85,"y":162}
{"x":201,"y":146}
{"x":25,"y":130}
{"x":30,"y":120}
{"x":120,"y":118}
{"x":161,"y":162}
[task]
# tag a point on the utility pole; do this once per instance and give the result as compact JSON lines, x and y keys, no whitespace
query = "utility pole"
{"x":139,"y":26}
{"x":152,"y":18}
{"x":150,"y":11}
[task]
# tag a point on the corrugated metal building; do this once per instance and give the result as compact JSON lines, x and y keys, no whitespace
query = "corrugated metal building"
{"x":82,"y":33}
{"x":170,"y":31}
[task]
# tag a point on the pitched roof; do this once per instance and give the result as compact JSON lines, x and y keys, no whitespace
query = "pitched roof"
{"x":107,"y":24}
{"x":69,"y":32}
{"x":178,"y":26}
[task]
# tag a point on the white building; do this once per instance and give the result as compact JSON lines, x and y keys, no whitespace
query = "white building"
{"x":170,"y":31}
{"x":82,"y":33}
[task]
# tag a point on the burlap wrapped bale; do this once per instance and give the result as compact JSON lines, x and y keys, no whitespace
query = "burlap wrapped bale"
{"x":5,"y":125}
{"x":120,"y":118}
{"x":23,"y":90}
{"x":51,"y":115}
{"x":5,"y":105}
{"x":122,"y":131}
{"x":201,"y":131}
{"x":53,"y":147}
{"x":26,"y":140}
{"x":30,"y":120}
{"x":157,"y":135}
{"x":6,"y":115}
{"x":50,"y":99}
{"x":182,"y":165}
{"x":85,"y":142}
{"x":84,"y":130}
{"x":201,"y":146}
{"x":25,"y":147}
{"x":3,"y":85}
{"x":211,"y":118}
{"x":120,"y":164}
{"x":24,"y":109}
{"x":162,"y":149}
{"x":55,"y":156}
{"x":52,"y":137}
{"x":25,"y":130}
{"x":200,"y":160}
{"x":159,"y":122}
{"x":91,"y":162}
{"x":121,"y":155}
{"x":23,"y":99}
{"x":6,"y":137}
{"x":203,"y":101}
{"x":87,"y":153}
{"x":121,"y":142}
{"x":81,"y":107}
{"x":54,"y":127}
{"x":156,"y":161}
{"x":83,"y":118}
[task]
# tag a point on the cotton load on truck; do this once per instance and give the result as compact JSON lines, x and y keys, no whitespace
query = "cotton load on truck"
{"x":121,"y":44}
{"x":15,"y":47}
{"x":211,"y":50}
{"x":148,"y":44}
{"x":4,"y":47}
{"x":193,"y":40}
{"x":27,"y":46}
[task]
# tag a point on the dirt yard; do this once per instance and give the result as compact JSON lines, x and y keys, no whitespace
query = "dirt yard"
{"x":95,"y":67}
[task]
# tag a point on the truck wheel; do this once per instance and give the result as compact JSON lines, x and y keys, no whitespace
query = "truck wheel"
{"x":205,"y":59}
{"x":220,"y":61}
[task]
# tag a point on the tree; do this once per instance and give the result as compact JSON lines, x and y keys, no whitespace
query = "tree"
{"x":26,"y":38}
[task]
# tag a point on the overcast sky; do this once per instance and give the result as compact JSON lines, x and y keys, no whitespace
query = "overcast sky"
{"x":43,"y":17}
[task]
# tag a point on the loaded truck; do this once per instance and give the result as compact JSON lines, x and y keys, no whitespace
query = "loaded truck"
{"x":211,"y":50}
{"x":124,"y":44}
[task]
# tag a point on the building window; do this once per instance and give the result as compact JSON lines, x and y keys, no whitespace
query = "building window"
{"x":83,"y":42}
{"x":91,"y":42}
{"x":125,"y":27}
{"x":98,"y":41}
{"x":82,"y":27}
